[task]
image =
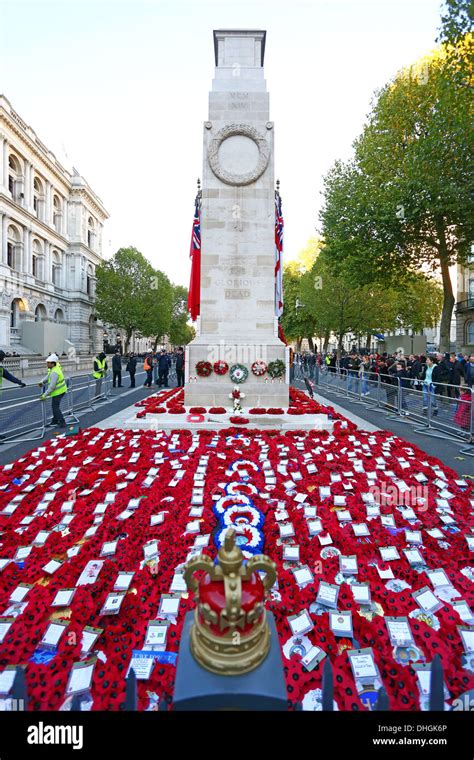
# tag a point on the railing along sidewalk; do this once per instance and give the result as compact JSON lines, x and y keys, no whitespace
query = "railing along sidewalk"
{"x":436,"y":409}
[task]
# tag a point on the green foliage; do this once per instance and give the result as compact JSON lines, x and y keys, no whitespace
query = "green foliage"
{"x":132,"y":295}
{"x":298,"y":322}
{"x":332,"y":304}
{"x":404,"y":203}
{"x":180,"y":332}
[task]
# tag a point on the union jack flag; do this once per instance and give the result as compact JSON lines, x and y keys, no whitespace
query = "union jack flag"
{"x":278,"y":256}
{"x":194,"y":294}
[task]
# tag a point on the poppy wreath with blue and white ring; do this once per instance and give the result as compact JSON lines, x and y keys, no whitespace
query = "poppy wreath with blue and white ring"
{"x":247,"y":538}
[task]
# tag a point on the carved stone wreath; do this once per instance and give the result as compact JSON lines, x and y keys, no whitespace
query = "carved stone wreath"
{"x":247,"y":131}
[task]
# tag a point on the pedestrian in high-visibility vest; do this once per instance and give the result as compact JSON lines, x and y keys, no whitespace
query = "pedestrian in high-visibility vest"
{"x":56,"y":389}
{"x":100,"y":371}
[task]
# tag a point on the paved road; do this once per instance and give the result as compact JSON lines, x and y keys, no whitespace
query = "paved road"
{"x":448,"y":451}
{"x":120,"y":399}
{"x":438,"y":445}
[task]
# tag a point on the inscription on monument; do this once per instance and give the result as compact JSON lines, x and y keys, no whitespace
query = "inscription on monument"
{"x":234,"y":282}
{"x":237,"y":294}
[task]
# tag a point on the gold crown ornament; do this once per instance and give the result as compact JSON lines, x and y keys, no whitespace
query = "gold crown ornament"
{"x":230,"y":634}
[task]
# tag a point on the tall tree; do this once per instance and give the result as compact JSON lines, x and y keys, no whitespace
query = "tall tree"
{"x":405,"y":202}
{"x":130,"y":294}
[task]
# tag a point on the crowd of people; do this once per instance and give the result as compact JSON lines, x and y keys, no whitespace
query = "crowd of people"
{"x":440,"y":377}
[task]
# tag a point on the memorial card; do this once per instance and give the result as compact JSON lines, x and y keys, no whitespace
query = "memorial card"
{"x":438,"y":578}
{"x":413,"y":537}
{"x":389,"y":553}
{"x":80,"y":677}
{"x":53,"y":633}
{"x":328,"y":594}
{"x":123,"y":580}
{"x":150,"y":550}
{"x":90,"y":572}
{"x":363,"y":665}
{"x":467,"y":636}
{"x":5,"y":625}
{"x":340,"y":623}
{"x":313,"y":657}
{"x":142,"y":663}
{"x":7,"y":677}
{"x":112,"y":603}
{"x":178,"y":584}
{"x":426,"y":600}
{"x":360,"y":529}
{"x":291,"y":553}
{"x":344,"y":516}
{"x":287,"y":530}
{"x":109,"y":548}
{"x":169,"y":606}
{"x":20,"y":592}
{"x":348,"y":564}
{"x":414,"y":557}
{"x":324,"y":539}
{"x":464,"y":611}
{"x":89,"y":637}
{"x":156,"y":634}
{"x":361,"y":592}
{"x":303,"y":576}
{"x":300,"y":623}
{"x":63,"y":597}
{"x":315,"y":527}
{"x":399,"y":631}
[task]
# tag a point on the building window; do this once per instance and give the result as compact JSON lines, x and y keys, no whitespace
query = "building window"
{"x":57,"y":269}
{"x":13,"y":243}
{"x":15,"y":178}
{"x":38,"y":197}
{"x":40,"y":313}
{"x":59,"y":316}
{"x":57,"y":213}
{"x":37,"y":259}
{"x":90,"y":280}
{"x":16,"y":307}
{"x":90,"y":232}
{"x":470,"y":333}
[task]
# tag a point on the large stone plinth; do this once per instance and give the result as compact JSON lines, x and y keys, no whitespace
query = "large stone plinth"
{"x":215,"y":389}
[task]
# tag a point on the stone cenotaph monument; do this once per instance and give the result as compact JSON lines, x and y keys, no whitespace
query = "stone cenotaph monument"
{"x":237,"y":322}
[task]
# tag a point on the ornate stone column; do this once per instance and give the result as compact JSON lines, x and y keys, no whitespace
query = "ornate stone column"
{"x":237,"y":307}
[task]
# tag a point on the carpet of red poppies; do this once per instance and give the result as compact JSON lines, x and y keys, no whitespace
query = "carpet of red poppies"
{"x":172,"y":401}
{"x":85,"y":468}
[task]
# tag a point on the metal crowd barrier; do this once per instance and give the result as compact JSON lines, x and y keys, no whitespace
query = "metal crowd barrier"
{"x":438,"y":410}
{"x":299,"y":371}
{"x":24,"y":416}
{"x":19,"y":697}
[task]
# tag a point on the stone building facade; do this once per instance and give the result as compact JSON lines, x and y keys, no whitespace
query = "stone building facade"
{"x":50,"y":245}
{"x":464,"y":308}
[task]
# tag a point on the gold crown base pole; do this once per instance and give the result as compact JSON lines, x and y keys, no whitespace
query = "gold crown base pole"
{"x":227,"y":656}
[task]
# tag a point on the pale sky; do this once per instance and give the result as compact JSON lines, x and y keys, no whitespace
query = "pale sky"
{"x":119,"y":89}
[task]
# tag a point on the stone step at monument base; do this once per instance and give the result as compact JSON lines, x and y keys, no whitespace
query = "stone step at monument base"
{"x":258,"y":393}
{"x":127,"y":420}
